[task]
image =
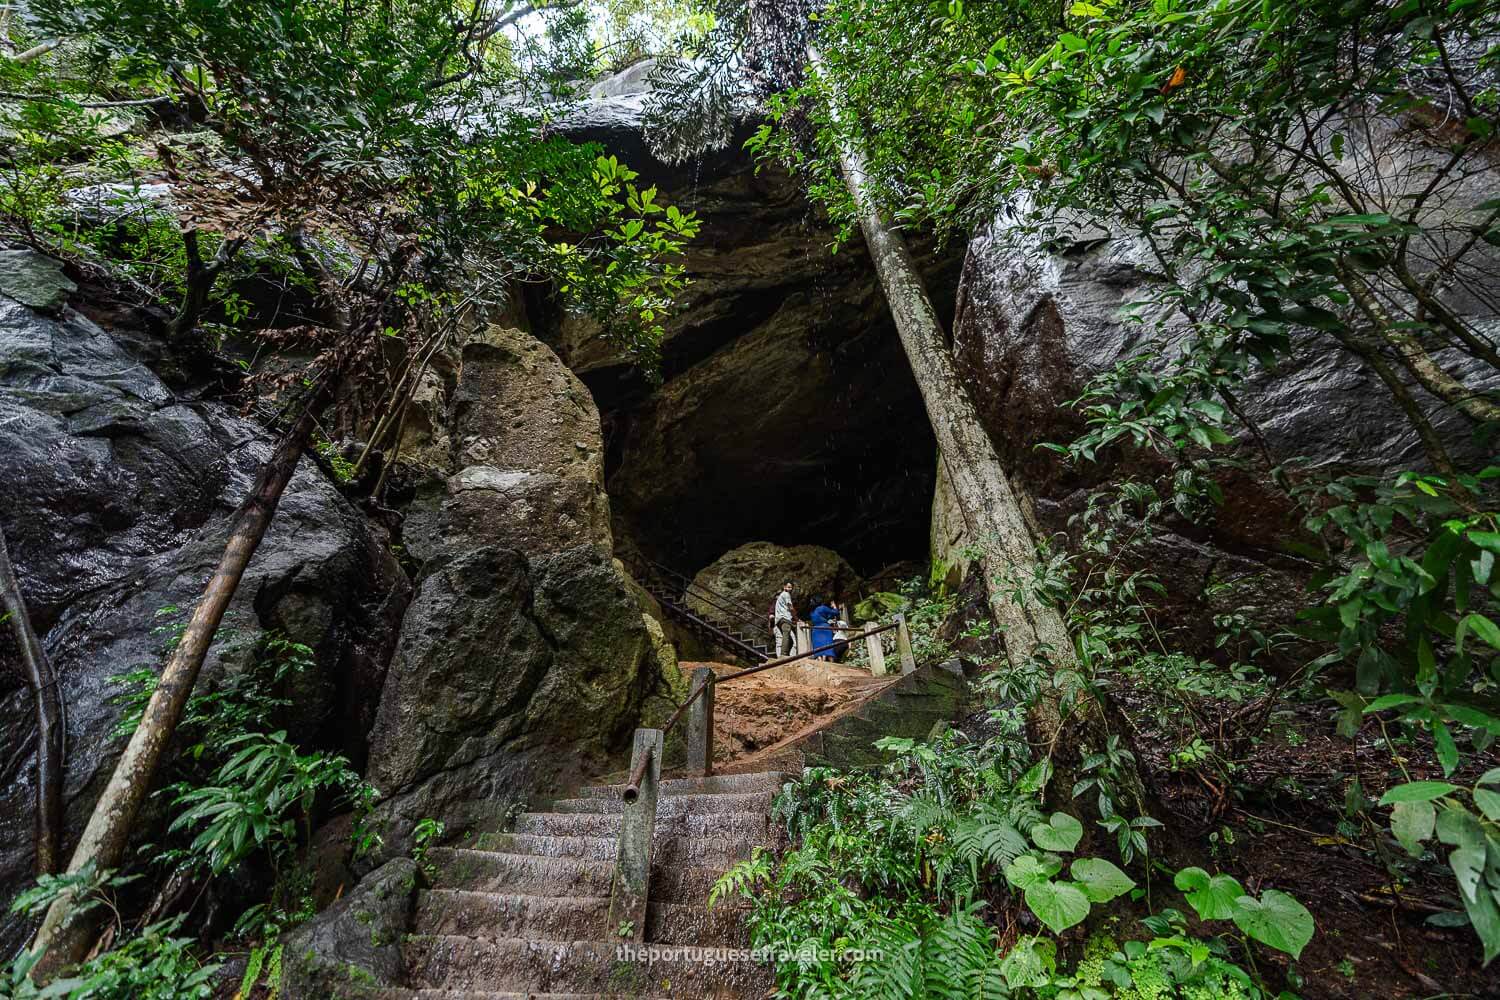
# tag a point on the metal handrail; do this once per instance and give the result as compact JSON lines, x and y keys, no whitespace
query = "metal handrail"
{"x":707,"y":594}
{"x":632,"y":788}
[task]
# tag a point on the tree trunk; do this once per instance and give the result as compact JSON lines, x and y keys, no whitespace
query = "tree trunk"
{"x":1033,"y":628}
{"x":47,"y":839}
{"x":65,"y":934}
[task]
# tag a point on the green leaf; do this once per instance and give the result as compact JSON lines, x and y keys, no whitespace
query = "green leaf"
{"x":1212,"y":896}
{"x":1412,"y":823}
{"x":1488,"y":803}
{"x":1276,"y":920}
{"x":1059,"y":905}
{"x":1029,"y":963}
{"x":1102,"y":881}
{"x":1026,"y":871}
{"x":1417,"y":791}
{"x":1062,"y":833}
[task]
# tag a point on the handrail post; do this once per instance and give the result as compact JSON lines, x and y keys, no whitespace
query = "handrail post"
{"x":875,"y":650}
{"x":630,"y":893}
{"x":804,"y":637}
{"x":700,"y":723}
{"x":903,"y":646}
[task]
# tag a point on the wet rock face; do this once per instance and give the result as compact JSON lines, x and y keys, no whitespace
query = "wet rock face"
{"x":787,"y":410}
{"x":353,"y":948}
{"x":114,"y":496}
{"x":753,"y":575}
{"x":525,"y":658}
{"x":1032,"y":327}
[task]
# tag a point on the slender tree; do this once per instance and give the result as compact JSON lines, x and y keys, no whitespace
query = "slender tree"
{"x":67,"y":933}
{"x":770,"y":43}
{"x":49,"y":721}
{"x":1034,"y":630}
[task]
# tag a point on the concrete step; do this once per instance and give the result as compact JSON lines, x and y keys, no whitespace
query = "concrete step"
{"x":501,"y":915}
{"x":759,"y":781}
{"x":574,"y":824}
{"x":463,"y":963}
{"x":495,"y":916}
{"x":529,"y":874}
{"x":676,"y":805}
{"x":665,"y":850}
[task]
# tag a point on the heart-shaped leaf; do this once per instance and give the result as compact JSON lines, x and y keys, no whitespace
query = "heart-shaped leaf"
{"x":1212,"y":896}
{"x":1412,"y":823}
{"x":1101,"y":881}
{"x":1061,"y":833}
{"x":1026,"y":871}
{"x":1276,"y":920}
{"x":1029,"y":963}
{"x":1059,"y":905}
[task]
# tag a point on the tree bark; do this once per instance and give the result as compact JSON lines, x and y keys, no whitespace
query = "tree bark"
{"x":1033,"y":628}
{"x":66,"y":934}
{"x":48,"y":824}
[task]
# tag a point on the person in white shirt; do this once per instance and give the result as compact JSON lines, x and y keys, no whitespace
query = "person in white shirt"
{"x":783,"y":617}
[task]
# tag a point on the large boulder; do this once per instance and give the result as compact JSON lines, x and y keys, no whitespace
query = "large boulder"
{"x":353,"y":948}
{"x":116,"y":493}
{"x":1035,"y":323}
{"x":526,"y":658}
{"x":752,"y":576}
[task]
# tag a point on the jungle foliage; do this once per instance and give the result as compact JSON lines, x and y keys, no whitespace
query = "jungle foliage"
{"x":1301,"y":180}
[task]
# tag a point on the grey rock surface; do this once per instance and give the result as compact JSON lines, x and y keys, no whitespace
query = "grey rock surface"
{"x":115,"y":495}
{"x":753,"y":574}
{"x":34,"y":280}
{"x":353,"y":948}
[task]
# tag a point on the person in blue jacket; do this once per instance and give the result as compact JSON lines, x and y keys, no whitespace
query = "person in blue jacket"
{"x":823,"y":617}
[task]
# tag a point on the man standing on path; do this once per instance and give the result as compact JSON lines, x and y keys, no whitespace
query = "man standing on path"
{"x":784,"y":615}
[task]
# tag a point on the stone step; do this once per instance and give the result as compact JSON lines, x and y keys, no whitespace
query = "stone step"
{"x":529,"y":874}
{"x":758,"y":781}
{"x":496,"y":916}
{"x":464,"y":963}
{"x":467,"y":913}
{"x":565,"y":824}
{"x":665,"y":850}
{"x":676,"y":805}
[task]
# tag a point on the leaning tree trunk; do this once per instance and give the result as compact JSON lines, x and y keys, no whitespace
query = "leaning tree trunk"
{"x":47,"y":839}
{"x":1033,"y":628}
{"x":66,"y":933}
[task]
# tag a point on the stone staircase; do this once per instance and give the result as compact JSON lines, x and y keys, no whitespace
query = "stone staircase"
{"x":716,"y":619}
{"x":523,"y":916}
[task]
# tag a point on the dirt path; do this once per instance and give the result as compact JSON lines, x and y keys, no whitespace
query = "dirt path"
{"x":759,"y":711}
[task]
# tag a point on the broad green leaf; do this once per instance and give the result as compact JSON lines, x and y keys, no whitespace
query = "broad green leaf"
{"x":1059,"y":905}
{"x":1212,"y":896}
{"x":1488,"y":803}
{"x":1029,"y":963}
{"x":1026,"y":871}
{"x":1417,"y":791}
{"x":1412,"y":823}
{"x":1062,"y":833}
{"x":1276,"y":920}
{"x":1101,"y":881}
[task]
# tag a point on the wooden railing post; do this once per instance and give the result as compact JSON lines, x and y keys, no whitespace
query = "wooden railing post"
{"x":903,"y":646}
{"x":874,"y":650}
{"x":630,"y":893}
{"x":700,"y":723}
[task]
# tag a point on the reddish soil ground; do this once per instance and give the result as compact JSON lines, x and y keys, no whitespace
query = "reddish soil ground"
{"x":759,"y":711}
{"x":1284,"y":806}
